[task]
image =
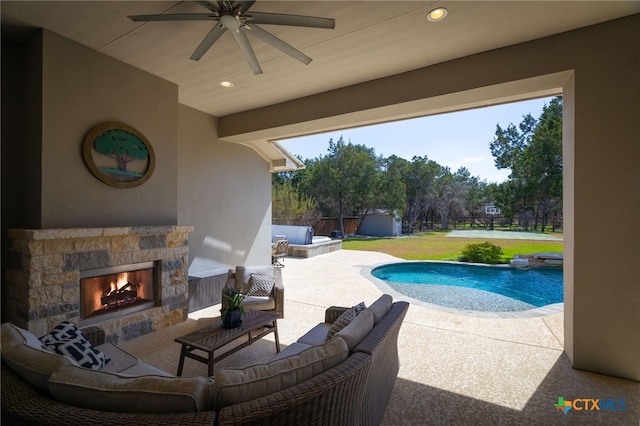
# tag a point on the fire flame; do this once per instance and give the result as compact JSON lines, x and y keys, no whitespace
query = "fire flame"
{"x":123,"y":279}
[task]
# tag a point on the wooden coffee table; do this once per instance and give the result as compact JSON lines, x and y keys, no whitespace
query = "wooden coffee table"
{"x":255,"y":325}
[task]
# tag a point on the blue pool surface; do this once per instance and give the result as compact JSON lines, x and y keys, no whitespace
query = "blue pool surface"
{"x":475,"y":287}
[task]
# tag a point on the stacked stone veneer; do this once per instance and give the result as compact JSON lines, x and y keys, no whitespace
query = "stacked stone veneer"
{"x":42,"y":286}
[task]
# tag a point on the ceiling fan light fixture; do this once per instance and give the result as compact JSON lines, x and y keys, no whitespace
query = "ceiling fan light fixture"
{"x":226,"y":84}
{"x":231,"y":15}
{"x":230,"y":22}
{"x":437,"y":14}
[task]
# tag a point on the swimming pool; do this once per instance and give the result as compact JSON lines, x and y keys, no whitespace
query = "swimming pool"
{"x":474,"y":287}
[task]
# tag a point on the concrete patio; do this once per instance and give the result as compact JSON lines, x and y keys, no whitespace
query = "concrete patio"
{"x":455,"y":369}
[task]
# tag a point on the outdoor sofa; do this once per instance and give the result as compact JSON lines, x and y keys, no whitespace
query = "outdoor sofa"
{"x":346,"y":380}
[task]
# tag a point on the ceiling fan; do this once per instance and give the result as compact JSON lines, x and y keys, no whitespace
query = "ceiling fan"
{"x":233,"y":16}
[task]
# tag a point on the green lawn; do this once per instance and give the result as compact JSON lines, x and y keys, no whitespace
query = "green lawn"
{"x":436,"y":246}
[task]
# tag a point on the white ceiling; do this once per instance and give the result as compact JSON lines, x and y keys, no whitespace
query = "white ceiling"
{"x":372,"y":39}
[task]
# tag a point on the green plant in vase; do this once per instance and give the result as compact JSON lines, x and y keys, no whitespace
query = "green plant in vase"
{"x":233,"y":311}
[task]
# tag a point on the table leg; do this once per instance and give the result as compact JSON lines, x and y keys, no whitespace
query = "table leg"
{"x":210,"y":370}
{"x":181,"y":362}
{"x":275,"y":331}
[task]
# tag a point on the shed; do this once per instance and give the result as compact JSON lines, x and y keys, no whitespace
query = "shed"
{"x":381,"y":223}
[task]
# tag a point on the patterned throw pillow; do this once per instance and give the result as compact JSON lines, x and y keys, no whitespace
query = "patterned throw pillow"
{"x":261,"y":285}
{"x":64,"y":330}
{"x":360,"y":307}
{"x":65,"y":339}
{"x":340,"y":323}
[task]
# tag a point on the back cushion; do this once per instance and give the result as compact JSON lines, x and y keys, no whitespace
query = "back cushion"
{"x":98,"y":390}
{"x":23,"y":353}
{"x":353,"y":333}
{"x":380,"y":307}
{"x":243,"y":273}
{"x":236,"y":385}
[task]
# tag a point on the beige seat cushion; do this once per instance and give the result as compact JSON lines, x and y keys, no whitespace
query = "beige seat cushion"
{"x":236,"y":385}
{"x":316,"y":336}
{"x":259,"y":303}
{"x":142,"y":369}
{"x":122,"y":362}
{"x":120,"y":359}
{"x":99,"y":390}
{"x":293,"y":349}
{"x":24,"y":354}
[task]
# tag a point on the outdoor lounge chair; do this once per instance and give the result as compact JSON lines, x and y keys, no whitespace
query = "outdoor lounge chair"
{"x":278,"y":253}
{"x":240,"y":280}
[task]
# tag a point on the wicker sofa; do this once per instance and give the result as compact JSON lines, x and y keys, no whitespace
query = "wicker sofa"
{"x":353,"y":389}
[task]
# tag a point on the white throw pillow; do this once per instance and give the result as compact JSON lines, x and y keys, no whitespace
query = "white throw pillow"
{"x":66,"y":339}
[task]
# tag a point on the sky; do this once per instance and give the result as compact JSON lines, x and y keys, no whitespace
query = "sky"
{"x":458,"y":139}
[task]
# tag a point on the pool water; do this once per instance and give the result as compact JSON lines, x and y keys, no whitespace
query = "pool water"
{"x":475,"y":287}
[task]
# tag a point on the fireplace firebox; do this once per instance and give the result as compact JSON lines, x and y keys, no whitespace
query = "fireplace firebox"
{"x":110,"y":292}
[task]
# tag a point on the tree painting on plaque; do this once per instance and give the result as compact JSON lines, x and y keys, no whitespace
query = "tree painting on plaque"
{"x":118,"y":155}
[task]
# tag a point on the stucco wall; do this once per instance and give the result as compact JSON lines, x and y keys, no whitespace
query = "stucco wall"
{"x":604,"y":321}
{"x":80,"y":89}
{"x":224,"y":190}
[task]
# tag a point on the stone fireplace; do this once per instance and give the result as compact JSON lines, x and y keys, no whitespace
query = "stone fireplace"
{"x":127,"y":280}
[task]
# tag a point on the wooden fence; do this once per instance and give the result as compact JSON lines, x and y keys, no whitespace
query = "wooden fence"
{"x":326,"y":226}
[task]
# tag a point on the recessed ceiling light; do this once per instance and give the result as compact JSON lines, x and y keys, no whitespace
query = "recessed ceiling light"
{"x":226,"y":84}
{"x":437,"y":14}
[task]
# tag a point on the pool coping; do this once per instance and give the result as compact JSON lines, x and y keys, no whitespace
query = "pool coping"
{"x":365,"y":271}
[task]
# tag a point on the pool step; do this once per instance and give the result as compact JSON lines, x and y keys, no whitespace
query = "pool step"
{"x":537,"y":259}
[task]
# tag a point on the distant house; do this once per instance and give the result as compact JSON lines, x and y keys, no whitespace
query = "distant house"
{"x":381,"y":223}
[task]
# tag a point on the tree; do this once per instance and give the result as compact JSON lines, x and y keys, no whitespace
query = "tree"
{"x":391,"y":192}
{"x":478,"y":196}
{"x":533,"y":152}
{"x":543,"y":160}
{"x":451,"y":190}
{"x":418,"y":179}
{"x":290,"y":207}
{"x":352,"y":180}
{"x":122,"y":146}
{"x":362,"y":180}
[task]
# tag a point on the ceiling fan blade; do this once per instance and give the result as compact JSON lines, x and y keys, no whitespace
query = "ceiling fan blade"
{"x":245,"y":5}
{"x":208,"y":41}
{"x":210,"y":5}
{"x":293,"y":20}
{"x":247,"y":51}
{"x":176,"y":17}
{"x":274,"y":41}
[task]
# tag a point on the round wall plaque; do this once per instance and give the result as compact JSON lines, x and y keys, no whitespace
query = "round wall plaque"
{"x":118,"y":155}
